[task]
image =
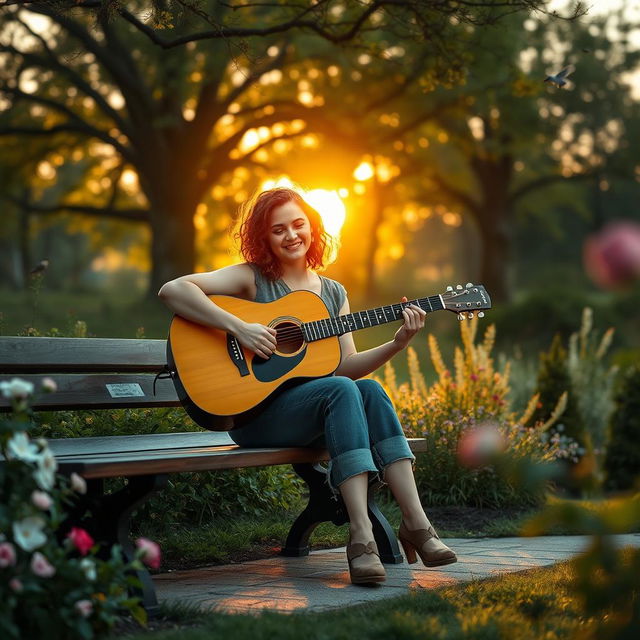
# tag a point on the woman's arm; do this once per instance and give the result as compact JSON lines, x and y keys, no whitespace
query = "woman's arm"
{"x":355,"y":365}
{"x":187,"y":297}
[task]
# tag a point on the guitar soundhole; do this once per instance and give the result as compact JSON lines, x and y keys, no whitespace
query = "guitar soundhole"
{"x":290,"y":337}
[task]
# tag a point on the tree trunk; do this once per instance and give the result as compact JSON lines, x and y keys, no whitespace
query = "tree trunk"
{"x":172,"y":245}
{"x":494,"y":266}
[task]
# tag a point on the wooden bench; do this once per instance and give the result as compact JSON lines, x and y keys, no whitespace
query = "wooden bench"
{"x":102,"y":373}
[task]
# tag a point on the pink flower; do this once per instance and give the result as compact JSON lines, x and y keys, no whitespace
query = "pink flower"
{"x":41,"y":500}
{"x":7,"y":555}
{"x":480,"y":445}
{"x":81,"y":540}
{"x":84,"y":608}
{"x":41,"y":566}
{"x":78,"y":483}
{"x":16,"y":585}
{"x":149,"y":552}
{"x":612,"y":256}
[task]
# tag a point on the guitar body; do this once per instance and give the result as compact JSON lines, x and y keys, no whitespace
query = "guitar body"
{"x":216,"y":376}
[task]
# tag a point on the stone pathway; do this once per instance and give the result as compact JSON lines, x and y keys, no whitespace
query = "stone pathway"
{"x":320,"y":581}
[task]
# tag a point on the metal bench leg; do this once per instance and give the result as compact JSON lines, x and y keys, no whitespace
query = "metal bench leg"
{"x":107,"y":517}
{"x":323,"y":506}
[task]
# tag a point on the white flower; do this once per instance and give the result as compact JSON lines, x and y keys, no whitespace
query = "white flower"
{"x":28,"y":533}
{"x":16,"y":388}
{"x":88,"y":567}
{"x":45,"y":475}
{"x":49,"y":385}
{"x":84,"y":608}
{"x":78,"y":483}
{"x":41,"y":499}
{"x":21,"y":448}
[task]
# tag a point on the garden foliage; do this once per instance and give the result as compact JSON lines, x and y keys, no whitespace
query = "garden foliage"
{"x":471,"y":393}
{"x":622,"y":460}
{"x":52,"y":582}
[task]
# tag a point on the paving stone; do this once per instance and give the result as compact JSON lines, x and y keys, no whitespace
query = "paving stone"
{"x":320,"y":581}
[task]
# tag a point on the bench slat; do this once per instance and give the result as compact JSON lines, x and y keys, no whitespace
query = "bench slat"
{"x":90,"y":391}
{"x":177,"y":453}
{"x":51,"y":355}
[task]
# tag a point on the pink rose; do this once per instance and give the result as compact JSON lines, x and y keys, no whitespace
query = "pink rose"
{"x":7,"y":555}
{"x":84,"y":608}
{"x":612,"y":256}
{"x":480,"y":445}
{"x":41,"y":566}
{"x":149,"y":552}
{"x":15,"y":584}
{"x":81,"y":540}
{"x":41,"y":500}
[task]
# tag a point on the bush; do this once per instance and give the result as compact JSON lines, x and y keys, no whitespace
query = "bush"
{"x":189,"y":497}
{"x":553,"y":381}
{"x":622,"y":461}
{"x":474,"y":393}
{"x":50,"y":588}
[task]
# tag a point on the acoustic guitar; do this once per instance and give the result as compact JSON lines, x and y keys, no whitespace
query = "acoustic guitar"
{"x":215,"y":376}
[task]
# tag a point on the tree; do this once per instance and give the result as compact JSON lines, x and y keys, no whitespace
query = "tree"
{"x":177,"y":109}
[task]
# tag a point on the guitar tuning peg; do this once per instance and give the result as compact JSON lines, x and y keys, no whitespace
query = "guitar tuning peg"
{"x":461,"y":316}
{"x":469,"y":285}
{"x":480,"y":314}
{"x":459,"y":286}
{"x":449,"y":288}
{"x":470,"y":315}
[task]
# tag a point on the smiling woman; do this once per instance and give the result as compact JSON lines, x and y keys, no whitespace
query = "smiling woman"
{"x":284,"y":242}
{"x":327,"y":203}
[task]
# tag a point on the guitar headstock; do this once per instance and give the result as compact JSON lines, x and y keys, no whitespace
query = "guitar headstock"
{"x":466,"y":301}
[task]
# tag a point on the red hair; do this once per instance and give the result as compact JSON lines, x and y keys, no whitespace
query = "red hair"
{"x":253,"y":233}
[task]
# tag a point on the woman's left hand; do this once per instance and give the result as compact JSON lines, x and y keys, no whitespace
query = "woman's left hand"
{"x":414,"y":318}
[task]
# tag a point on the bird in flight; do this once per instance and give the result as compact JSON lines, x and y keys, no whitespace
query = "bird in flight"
{"x":559,"y":79}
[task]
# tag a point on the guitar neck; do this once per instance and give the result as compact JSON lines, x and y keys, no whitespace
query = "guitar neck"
{"x":328,"y":327}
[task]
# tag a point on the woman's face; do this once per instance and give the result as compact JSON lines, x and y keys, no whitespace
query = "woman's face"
{"x":289,"y":233}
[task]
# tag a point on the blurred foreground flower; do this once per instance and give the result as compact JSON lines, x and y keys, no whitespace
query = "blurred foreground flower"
{"x":612,"y":256}
{"x":149,"y":552}
{"x":480,"y":445}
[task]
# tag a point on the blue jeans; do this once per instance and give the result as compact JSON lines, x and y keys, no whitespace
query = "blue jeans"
{"x":354,"y":420}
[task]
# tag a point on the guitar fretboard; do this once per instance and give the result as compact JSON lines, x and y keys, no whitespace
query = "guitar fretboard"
{"x":328,"y":327}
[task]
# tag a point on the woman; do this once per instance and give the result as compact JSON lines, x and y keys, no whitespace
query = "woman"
{"x":284,"y":243}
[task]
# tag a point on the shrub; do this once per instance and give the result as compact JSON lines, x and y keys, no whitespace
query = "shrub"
{"x":622,"y":460}
{"x":472,"y":394}
{"x":50,"y":588}
{"x":189,"y":497}
{"x":592,"y":380}
{"x":553,"y":381}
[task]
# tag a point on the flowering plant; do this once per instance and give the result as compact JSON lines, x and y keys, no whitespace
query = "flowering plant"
{"x":53,"y":585}
{"x":466,"y":417}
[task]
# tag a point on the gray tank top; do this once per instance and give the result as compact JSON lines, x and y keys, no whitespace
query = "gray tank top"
{"x":333,"y":294}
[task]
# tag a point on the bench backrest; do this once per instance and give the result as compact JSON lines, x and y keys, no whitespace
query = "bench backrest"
{"x":91,"y":373}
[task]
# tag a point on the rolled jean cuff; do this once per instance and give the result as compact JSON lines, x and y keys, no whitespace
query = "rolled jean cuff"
{"x":390,"y":450}
{"x":348,"y":464}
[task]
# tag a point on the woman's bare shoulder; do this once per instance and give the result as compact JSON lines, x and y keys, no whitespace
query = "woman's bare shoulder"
{"x":234,"y":280}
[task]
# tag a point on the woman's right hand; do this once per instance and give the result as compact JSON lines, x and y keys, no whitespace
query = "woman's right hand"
{"x":258,"y":338}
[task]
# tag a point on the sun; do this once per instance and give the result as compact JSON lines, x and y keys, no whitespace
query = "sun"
{"x":327,"y":203}
{"x":330,"y":207}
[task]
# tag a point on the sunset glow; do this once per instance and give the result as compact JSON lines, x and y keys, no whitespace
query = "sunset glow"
{"x":327,"y":203}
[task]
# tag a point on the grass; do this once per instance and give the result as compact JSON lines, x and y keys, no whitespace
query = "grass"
{"x":241,"y":538}
{"x":532,"y":605}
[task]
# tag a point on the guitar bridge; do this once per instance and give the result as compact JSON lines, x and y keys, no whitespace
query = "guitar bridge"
{"x":236,"y":354}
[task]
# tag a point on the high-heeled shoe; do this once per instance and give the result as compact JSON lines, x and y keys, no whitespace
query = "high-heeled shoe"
{"x":422,"y":542}
{"x":365,"y":572}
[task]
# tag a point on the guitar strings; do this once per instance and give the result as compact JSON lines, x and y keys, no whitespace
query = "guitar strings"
{"x":292,"y":334}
